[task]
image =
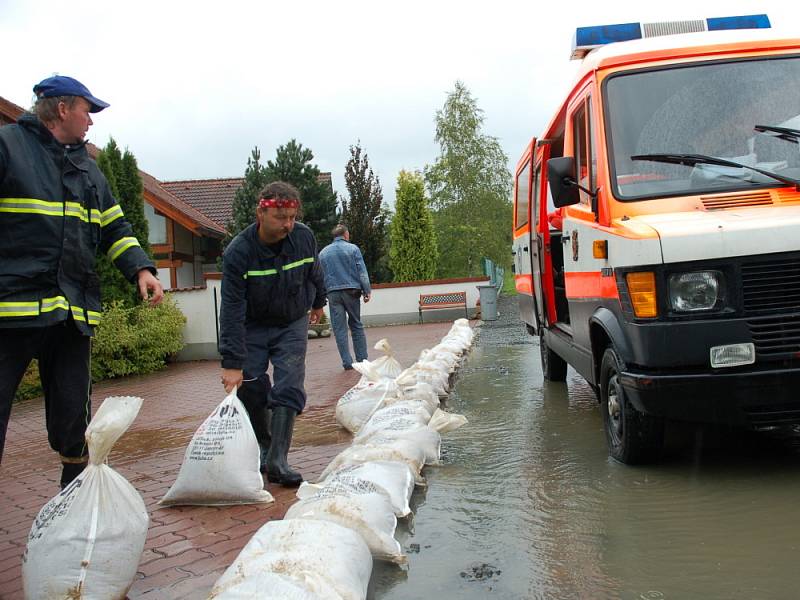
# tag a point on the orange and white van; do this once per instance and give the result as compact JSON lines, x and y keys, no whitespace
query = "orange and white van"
{"x":657,"y":228}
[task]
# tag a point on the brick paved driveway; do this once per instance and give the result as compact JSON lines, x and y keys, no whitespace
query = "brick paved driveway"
{"x":187,"y":548}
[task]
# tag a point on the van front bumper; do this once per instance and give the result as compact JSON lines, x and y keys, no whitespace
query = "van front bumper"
{"x":757,"y":399}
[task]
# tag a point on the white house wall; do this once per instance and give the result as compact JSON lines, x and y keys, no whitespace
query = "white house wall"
{"x":388,"y":306}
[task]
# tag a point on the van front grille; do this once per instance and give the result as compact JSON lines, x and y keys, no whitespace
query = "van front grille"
{"x":736,"y":201}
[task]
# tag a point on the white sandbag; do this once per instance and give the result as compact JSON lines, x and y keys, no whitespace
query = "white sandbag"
{"x":358,"y":403}
{"x":393,"y":478}
{"x":387,"y":365}
{"x":429,"y":360}
{"x":364,"y":509}
{"x":89,"y":538}
{"x":415,"y":411}
{"x":221,"y":463}
{"x":421,"y":373}
{"x":425,"y":438}
{"x":298,"y":559}
{"x":270,"y":586}
{"x":381,"y":447}
{"x":419,"y":391}
{"x":444,"y":422}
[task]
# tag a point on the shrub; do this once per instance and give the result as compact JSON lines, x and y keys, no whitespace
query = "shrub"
{"x":136,"y":340}
{"x":30,"y":386}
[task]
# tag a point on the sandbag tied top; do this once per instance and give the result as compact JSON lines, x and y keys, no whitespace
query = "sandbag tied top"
{"x":387,"y":365}
{"x":111,"y":420}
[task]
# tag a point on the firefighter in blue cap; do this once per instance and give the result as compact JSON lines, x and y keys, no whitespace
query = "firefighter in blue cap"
{"x":56,"y":214}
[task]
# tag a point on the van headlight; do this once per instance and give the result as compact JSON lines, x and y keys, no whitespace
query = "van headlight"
{"x":691,"y":292}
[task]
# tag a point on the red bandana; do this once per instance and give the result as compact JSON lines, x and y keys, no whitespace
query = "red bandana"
{"x":278,"y":203}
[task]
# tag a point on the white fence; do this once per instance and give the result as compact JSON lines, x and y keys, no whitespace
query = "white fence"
{"x":391,"y":304}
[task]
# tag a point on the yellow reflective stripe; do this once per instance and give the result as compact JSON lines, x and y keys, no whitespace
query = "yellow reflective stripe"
{"x":298,"y":263}
{"x":31,"y":205}
{"x":77,"y":314}
{"x":260,"y":273}
{"x":295,"y":264}
{"x":120,"y":246}
{"x":110,"y":215}
{"x":74,"y":209}
{"x":51,"y":304}
{"x":19,"y":309}
{"x":94,"y":317}
{"x":51,"y":209}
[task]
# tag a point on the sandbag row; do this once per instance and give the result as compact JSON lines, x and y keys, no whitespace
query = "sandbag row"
{"x":397,"y":422}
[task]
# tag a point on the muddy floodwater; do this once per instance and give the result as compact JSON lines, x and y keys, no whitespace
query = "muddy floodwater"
{"x":527,"y":503}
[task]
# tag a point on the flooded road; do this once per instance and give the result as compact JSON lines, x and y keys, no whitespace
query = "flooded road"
{"x":527,"y":503}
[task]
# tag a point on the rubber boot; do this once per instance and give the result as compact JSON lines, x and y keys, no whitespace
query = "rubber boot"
{"x":259,"y":419}
{"x":278,"y":470}
{"x":254,"y":396}
{"x":70,"y":471}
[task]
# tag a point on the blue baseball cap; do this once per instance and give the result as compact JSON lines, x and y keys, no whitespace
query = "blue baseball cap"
{"x":61,"y":85}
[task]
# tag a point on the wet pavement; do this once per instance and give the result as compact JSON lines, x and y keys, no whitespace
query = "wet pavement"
{"x":189,"y":547}
{"x":528,"y":505}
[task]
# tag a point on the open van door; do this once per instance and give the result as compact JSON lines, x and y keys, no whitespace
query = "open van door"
{"x":541,"y":206}
{"x":525,"y":250}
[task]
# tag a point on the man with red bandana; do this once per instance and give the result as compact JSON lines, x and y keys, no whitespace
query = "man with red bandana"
{"x":272,"y":286}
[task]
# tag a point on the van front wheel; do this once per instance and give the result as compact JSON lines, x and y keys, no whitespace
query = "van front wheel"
{"x":633,"y":437}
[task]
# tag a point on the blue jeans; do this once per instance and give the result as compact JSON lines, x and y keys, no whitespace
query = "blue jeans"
{"x":345,"y":307}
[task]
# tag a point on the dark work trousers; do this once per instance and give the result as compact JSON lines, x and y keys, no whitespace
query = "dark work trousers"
{"x":345,"y":307}
{"x":285,"y":349}
{"x":63,"y":354}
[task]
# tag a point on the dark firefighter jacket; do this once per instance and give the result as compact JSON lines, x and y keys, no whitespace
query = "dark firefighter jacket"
{"x":56,"y":212}
{"x":260,"y":286}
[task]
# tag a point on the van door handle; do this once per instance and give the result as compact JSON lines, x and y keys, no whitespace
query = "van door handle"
{"x":524,"y":248}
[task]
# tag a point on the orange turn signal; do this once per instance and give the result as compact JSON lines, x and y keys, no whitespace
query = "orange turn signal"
{"x":600,"y":248}
{"x":642,"y":290}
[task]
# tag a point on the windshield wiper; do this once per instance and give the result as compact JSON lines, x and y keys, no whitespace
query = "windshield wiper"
{"x":784,"y":133}
{"x":691,"y":160}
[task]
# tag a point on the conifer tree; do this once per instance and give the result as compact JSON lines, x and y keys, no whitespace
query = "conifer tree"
{"x":413,"y":255}
{"x":362,"y":212}
{"x":292,"y":164}
{"x":245,"y":199}
{"x":123,"y":177}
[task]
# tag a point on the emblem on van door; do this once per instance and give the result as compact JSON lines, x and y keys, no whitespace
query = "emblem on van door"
{"x":575,"y":245}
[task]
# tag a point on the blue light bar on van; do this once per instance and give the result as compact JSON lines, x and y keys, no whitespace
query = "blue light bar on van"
{"x":588,"y":38}
{"x":746,"y":22}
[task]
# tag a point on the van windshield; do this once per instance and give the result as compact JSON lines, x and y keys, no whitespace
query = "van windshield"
{"x":710,"y":109}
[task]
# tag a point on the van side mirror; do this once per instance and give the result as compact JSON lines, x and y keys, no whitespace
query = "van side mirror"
{"x":563,"y":182}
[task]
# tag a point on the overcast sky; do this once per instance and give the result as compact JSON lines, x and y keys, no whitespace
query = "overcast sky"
{"x":194,"y":86}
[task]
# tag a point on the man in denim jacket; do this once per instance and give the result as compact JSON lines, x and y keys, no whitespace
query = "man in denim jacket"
{"x":346,"y":279}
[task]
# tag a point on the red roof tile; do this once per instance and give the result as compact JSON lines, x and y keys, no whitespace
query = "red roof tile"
{"x":212,"y":197}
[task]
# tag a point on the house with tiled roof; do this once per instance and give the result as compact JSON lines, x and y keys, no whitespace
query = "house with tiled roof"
{"x":185,"y":241}
{"x":214,"y":197}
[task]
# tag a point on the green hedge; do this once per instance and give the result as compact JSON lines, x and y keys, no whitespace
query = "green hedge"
{"x":128,"y":341}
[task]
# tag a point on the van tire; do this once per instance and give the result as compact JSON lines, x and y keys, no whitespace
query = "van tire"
{"x":633,"y":437}
{"x":554,"y":368}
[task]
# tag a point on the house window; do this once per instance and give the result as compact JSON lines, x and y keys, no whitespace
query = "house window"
{"x":157,"y":225}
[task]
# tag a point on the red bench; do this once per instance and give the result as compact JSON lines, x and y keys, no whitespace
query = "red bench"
{"x":443,"y":300}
